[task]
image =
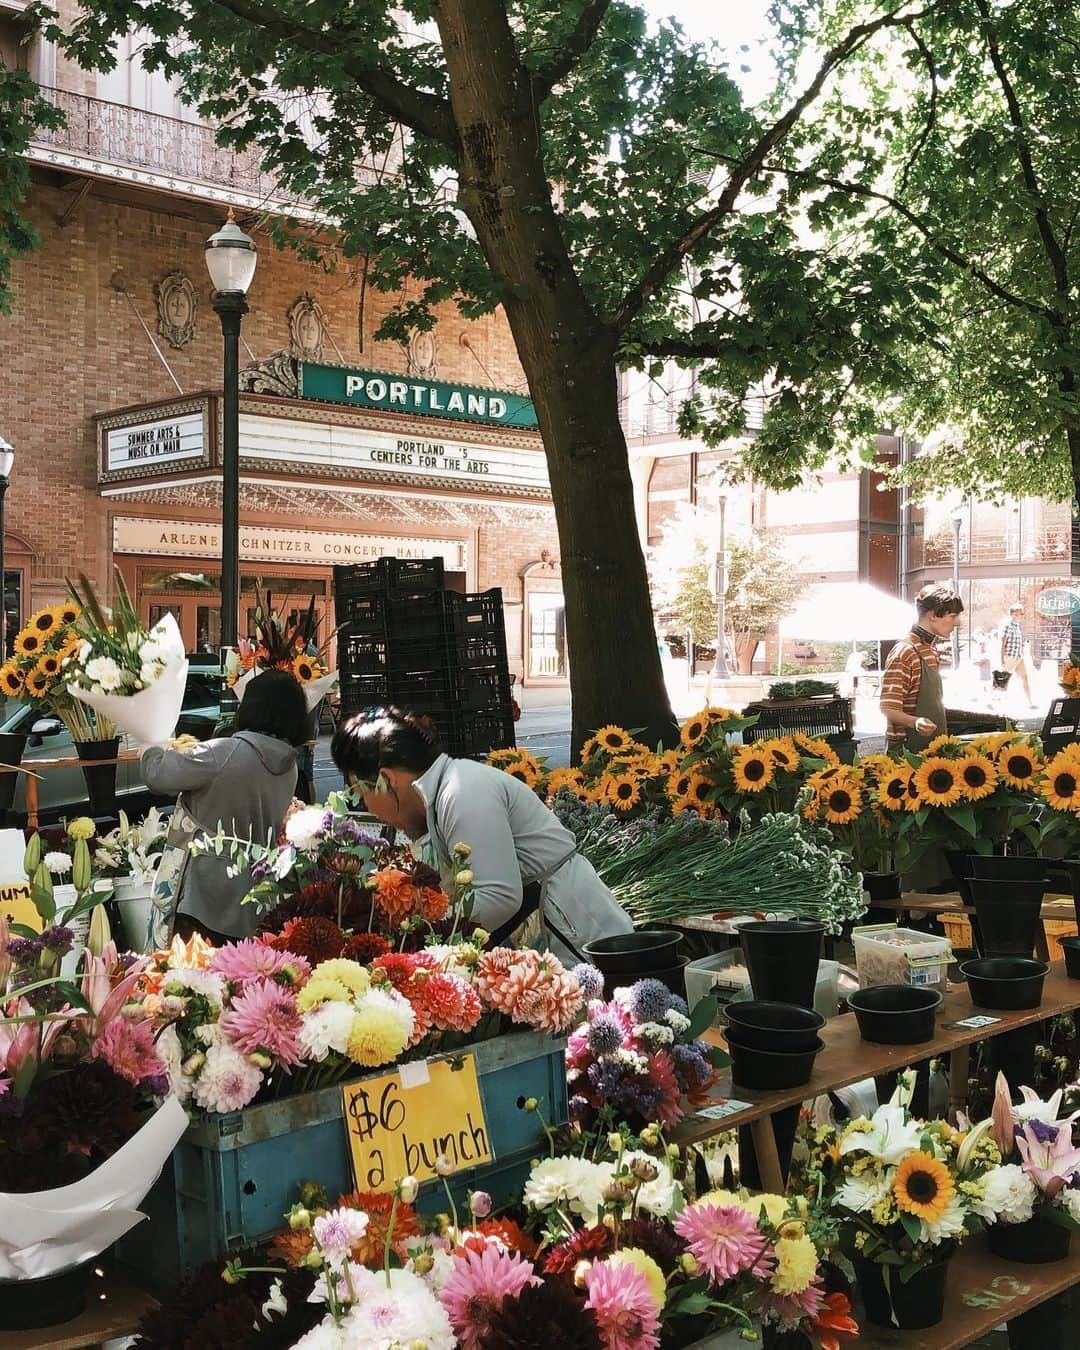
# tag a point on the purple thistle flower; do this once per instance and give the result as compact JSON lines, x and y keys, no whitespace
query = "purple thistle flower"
{"x":605,"y":1035}
{"x":649,"y":1001}
{"x":590,"y":980}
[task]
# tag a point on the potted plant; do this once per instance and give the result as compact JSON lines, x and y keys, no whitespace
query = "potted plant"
{"x":905,"y":1193}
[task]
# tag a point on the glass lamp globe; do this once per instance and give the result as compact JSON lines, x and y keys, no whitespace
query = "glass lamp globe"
{"x":231,"y":256}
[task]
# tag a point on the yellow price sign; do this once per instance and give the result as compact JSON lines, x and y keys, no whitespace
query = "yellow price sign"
{"x":399,"y":1123}
{"x":16,"y":905}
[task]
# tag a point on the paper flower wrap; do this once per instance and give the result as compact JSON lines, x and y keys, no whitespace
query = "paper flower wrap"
{"x":45,"y":1232}
{"x":149,"y":714}
{"x":314,"y":690}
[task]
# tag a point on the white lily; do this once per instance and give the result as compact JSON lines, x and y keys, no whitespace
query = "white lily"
{"x":890,"y":1138}
{"x":963,"y":1156}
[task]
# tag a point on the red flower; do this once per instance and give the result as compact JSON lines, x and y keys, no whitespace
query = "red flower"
{"x":585,"y":1245}
{"x":317,"y":938}
{"x":507,"y":1231}
{"x":833,"y":1321}
{"x":365,"y":947}
{"x":402,"y":966}
{"x":434,"y":903}
{"x":452,"y":1003}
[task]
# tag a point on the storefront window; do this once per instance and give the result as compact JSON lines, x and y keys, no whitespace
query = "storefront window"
{"x":12,"y":609}
{"x":547,"y":635}
{"x":158,"y":612}
{"x":207,"y":628}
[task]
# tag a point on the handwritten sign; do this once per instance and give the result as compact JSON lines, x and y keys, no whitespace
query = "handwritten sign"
{"x":15,"y":902}
{"x":721,"y":1109}
{"x":399,"y":1123}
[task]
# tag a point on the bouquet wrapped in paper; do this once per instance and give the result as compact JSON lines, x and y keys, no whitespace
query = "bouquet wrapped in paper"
{"x":132,"y":675}
{"x":281,"y":644}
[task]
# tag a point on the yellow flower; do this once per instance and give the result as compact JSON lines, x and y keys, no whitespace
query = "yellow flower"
{"x":377,"y":1036}
{"x":528,"y":772}
{"x":67,"y":613}
{"x":752,"y":769}
{"x":977,"y":775}
{"x":318,"y":991}
{"x":678,"y":785}
{"x":305,"y":668}
{"x":82,"y":827}
{"x":645,"y":1265}
{"x":42,"y":622}
{"x":350,"y":973}
{"x":28,"y":642}
{"x":938,"y":781}
{"x":796,"y":1262}
{"x":893,"y":787}
{"x":940,"y":743}
{"x":699,"y":788}
{"x":668,"y":762}
{"x":782,"y":751}
{"x":37,"y":684}
{"x":694,"y":728}
{"x":565,"y":777}
{"x":842,"y":802}
{"x":11,"y":680}
{"x":816,"y":748}
{"x":623,"y":790}
{"x":1061,"y":786}
{"x":613,"y":738}
{"x":687,"y":803}
{"x":923,"y":1187}
{"x":1018,"y":765}
{"x":878,"y":766}
{"x":49,"y":665}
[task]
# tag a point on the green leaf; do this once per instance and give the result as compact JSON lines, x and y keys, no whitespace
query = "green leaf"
{"x":702,"y":1016}
{"x":911,"y":1225}
{"x":963,"y":816}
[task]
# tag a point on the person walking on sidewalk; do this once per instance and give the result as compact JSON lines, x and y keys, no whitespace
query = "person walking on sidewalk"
{"x":1014,"y":649}
{"x":911,"y":692}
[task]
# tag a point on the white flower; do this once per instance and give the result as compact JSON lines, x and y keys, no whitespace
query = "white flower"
{"x":1069,"y":1199}
{"x":326,"y":1028}
{"x":950,"y":1225}
{"x":304,"y":828}
{"x":172,"y":1054}
{"x":228,"y":1080}
{"x":276,"y":1302}
{"x":889,"y":1139}
{"x":58,"y":863}
{"x":406,"y":1314}
{"x":1009,"y":1195}
{"x":655,"y":1033}
{"x":433,"y":1249}
{"x":574,"y":1182}
{"x":659,"y":1197}
{"x":326,"y":1336}
{"x":338,"y":1231}
{"x":860,"y":1194}
{"x":148,"y":674}
{"x":677,"y":1021}
{"x":104,"y":671}
{"x":205,"y":982}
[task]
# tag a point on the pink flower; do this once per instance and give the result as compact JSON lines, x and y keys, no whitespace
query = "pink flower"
{"x":451,"y":1001}
{"x":668,"y":1110}
{"x":338,"y":1232}
{"x":792,"y":1308}
{"x":1048,"y":1155}
{"x":625,"y":1310}
{"x":128,"y":1049}
{"x":480,"y":1283}
{"x":264,"y":1018}
{"x":251,"y":960}
{"x":725,"y":1240}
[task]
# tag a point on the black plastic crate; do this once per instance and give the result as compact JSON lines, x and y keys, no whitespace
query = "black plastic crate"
{"x":362,"y":653}
{"x":482,"y":611}
{"x":389,"y":574}
{"x":363,"y":611}
{"x":427,"y":616}
{"x":822,"y":717}
{"x":416,"y":574}
{"x":477,"y":689}
{"x":360,"y":692}
{"x":475,"y":735}
{"x":451,"y":650}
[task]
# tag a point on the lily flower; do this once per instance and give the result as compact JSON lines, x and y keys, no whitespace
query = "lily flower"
{"x":1034,"y":1108}
{"x":890,"y":1138}
{"x":106,"y":986}
{"x":963,"y":1155}
{"x":1049,"y":1157}
{"x":1001,"y":1116}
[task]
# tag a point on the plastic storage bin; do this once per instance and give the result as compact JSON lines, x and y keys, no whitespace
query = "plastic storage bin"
{"x":725,"y":975}
{"x":232,"y":1178}
{"x":887,"y":954}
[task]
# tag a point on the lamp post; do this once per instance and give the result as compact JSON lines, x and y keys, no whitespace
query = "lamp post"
{"x":957,"y":522}
{"x":720,"y":668}
{"x":230,"y":259}
{"x":7,"y":463}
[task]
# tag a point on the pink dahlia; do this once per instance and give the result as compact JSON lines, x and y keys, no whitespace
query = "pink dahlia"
{"x":451,"y":1001}
{"x":253,"y":960}
{"x":792,"y":1308}
{"x":724,"y":1239}
{"x":128,"y":1049}
{"x":550,"y":1006}
{"x":481,"y":1282}
{"x":625,"y":1310}
{"x":491,"y":974}
{"x":264,"y":1018}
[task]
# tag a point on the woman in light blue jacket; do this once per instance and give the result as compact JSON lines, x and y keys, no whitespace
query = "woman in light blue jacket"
{"x":524,"y":861}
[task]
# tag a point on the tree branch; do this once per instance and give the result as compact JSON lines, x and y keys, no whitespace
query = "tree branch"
{"x":574,"y":48}
{"x":425,"y":113}
{"x":931,"y":113}
{"x":1051,"y":247}
{"x":639,"y":295}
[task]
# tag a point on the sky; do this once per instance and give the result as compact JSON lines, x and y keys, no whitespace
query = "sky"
{"x":730,"y":23}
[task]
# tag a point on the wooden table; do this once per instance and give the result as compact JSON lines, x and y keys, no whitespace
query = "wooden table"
{"x":64,"y":762}
{"x":113,"y":1308}
{"x":983,"y":1291}
{"x":847,"y":1058}
{"x":1053,"y":907}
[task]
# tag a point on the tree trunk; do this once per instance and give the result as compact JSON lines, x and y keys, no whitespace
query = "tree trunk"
{"x":568,"y":359}
{"x":1067,"y":384}
{"x":746,"y":645}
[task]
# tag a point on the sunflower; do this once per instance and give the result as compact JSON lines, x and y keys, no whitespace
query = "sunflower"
{"x":11,"y":680}
{"x":563,"y":778}
{"x":699,"y":788}
{"x":49,"y":664}
{"x":938,"y":781}
{"x":623,"y":791}
{"x":27,"y":642}
{"x":694,"y":728}
{"x":816,"y":748}
{"x":1018,"y":765}
{"x":752,"y":769}
{"x":668,"y":762}
{"x":43,"y":621}
{"x":613,"y":738}
{"x":67,"y":613}
{"x":631,"y":750}
{"x":893,"y":789}
{"x":940,"y":743}
{"x":923,"y":1186}
{"x":305,"y":668}
{"x":591,"y":746}
{"x":37,"y":684}
{"x":978,"y":777}
{"x":527,"y":773}
{"x":878,"y":765}
{"x":1061,"y":786}
{"x":913,"y":802}
{"x":678,"y":784}
{"x":508,"y":755}
{"x":681,"y":804}
{"x":842,"y":803}
{"x":782,"y":751}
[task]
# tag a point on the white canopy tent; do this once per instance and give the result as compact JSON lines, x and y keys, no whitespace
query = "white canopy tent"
{"x":846,"y":611}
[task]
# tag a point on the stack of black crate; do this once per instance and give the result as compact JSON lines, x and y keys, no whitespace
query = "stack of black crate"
{"x":404,"y":639}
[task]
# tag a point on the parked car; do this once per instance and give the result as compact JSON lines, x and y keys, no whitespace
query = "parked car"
{"x":62,"y":792}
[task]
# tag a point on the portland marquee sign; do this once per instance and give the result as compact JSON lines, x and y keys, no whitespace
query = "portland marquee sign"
{"x":406,"y":394}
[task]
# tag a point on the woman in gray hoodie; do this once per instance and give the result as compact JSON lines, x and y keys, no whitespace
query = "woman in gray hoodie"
{"x":243,"y":783}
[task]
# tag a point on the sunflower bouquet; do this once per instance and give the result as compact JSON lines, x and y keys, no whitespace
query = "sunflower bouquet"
{"x":1059,"y":788}
{"x":39,"y":669}
{"x":905,"y":1192}
{"x":1070,"y":676}
{"x":854,"y":801}
{"x":280,"y":645}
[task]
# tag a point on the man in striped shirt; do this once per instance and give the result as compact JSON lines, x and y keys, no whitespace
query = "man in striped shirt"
{"x":911,"y":693}
{"x":1013,"y":649}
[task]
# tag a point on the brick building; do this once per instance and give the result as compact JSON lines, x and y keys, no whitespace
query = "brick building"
{"x":113,"y":360}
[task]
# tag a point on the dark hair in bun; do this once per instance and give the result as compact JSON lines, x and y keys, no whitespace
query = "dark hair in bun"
{"x":385,"y":738}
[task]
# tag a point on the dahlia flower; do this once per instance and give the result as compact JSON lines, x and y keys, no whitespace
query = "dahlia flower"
{"x":264,"y":1018}
{"x":128,"y":1049}
{"x":480,"y":1283}
{"x":725,"y":1240}
{"x":624,"y":1307}
{"x":452,"y":1003}
{"x":228,"y":1079}
{"x":406,"y":1313}
{"x":252,"y":960}
{"x":326,"y":1028}
{"x":338,"y":1231}
{"x":381,"y":1029}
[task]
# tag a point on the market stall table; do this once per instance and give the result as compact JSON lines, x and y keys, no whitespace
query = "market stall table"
{"x":113,"y":1308}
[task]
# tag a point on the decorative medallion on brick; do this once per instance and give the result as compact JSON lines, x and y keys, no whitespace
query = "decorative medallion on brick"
{"x":177,"y":306}
{"x":422,"y":351}
{"x":307,"y":328}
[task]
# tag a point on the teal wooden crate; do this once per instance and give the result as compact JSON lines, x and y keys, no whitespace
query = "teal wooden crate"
{"x":232,"y":1178}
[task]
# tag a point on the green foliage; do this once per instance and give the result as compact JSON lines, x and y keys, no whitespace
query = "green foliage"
{"x":762,"y":585}
{"x":22,"y":112}
{"x":801,"y":689}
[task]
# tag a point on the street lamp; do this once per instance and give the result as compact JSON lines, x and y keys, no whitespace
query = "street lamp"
{"x":720,"y":669}
{"x":957,"y":522}
{"x":7,"y":463}
{"x":230,"y":259}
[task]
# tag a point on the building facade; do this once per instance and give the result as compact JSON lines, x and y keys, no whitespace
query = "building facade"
{"x":350,"y":448}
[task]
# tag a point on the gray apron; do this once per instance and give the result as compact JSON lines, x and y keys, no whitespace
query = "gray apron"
{"x":929,"y":703}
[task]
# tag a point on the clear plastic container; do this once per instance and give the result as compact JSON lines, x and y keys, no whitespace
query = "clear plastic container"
{"x":887,"y":954}
{"x":725,"y":975}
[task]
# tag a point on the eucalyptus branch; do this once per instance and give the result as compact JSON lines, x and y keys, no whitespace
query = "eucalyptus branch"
{"x":1051,"y":247}
{"x":425,"y":113}
{"x":751,"y":164}
{"x":573,"y":49}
